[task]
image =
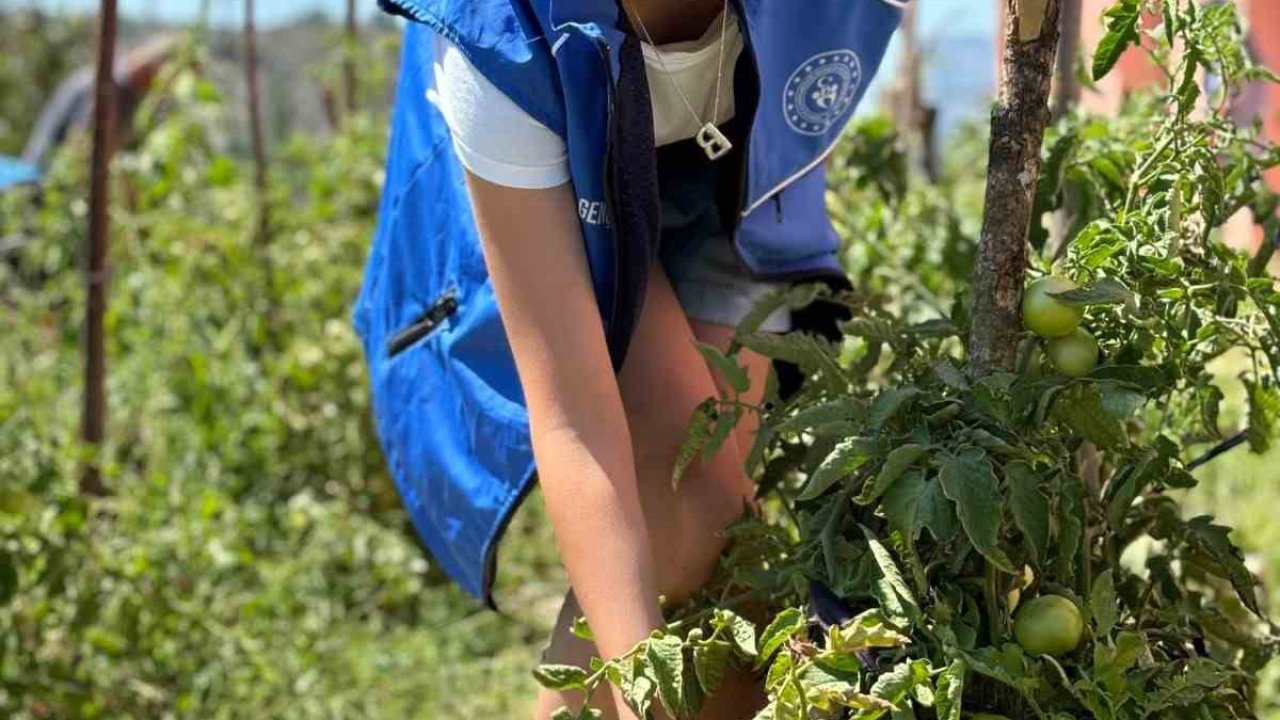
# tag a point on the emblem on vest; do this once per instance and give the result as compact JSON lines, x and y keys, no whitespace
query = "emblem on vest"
{"x":821,"y":91}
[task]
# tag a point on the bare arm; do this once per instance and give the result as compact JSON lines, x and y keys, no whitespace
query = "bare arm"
{"x":534,"y":250}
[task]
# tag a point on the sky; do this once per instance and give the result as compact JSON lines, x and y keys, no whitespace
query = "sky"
{"x":955,"y":17}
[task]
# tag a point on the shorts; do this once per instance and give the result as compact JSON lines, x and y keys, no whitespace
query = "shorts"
{"x":713,"y":285}
{"x":698,"y":204}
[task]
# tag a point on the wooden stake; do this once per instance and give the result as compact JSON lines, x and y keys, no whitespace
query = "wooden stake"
{"x":1017,"y":133}
{"x":349,"y":61}
{"x":262,"y":199}
{"x":94,"y":416}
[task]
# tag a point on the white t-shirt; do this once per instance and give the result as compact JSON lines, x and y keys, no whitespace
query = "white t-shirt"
{"x":498,"y":141}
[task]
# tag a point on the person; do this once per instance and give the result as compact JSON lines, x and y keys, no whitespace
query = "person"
{"x":577,"y":192}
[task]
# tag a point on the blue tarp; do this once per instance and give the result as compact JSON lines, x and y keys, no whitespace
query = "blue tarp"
{"x":16,"y":172}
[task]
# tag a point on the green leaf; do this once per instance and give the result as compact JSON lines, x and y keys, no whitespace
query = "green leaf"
{"x":1214,"y":546}
{"x":778,"y":673}
{"x":741,"y":630}
{"x":847,"y":456}
{"x":581,"y":629}
{"x":915,"y":503}
{"x":1079,"y":406}
{"x":968,"y":480}
{"x":895,"y":685}
{"x":1122,"y":32}
{"x":710,"y":659}
{"x":786,"y":625}
{"x":1103,"y":604}
{"x":844,"y":409}
{"x":950,"y":375}
{"x":560,"y":677}
{"x":726,"y":421}
{"x":638,"y":684}
{"x":1145,"y":377}
{"x":900,"y":459}
{"x":1070,"y":525}
{"x":1107,"y":291}
{"x":701,"y":428}
{"x":666,"y":656}
{"x":867,"y":630}
{"x":950,"y":691}
{"x":1120,"y":401}
{"x":891,"y":575}
{"x":728,"y":368}
{"x":889,"y":403}
{"x":1030,"y":508}
{"x":791,"y":704}
{"x":1111,"y":662}
{"x":1264,"y":412}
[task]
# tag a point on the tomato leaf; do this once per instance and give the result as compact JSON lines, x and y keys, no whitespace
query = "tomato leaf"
{"x":950,"y":691}
{"x":710,"y":659}
{"x":728,"y":368}
{"x":701,"y":429}
{"x":889,"y":403}
{"x":891,"y":576}
{"x":1030,"y":507}
{"x":1122,"y":31}
{"x":560,"y":677}
{"x":1264,"y":412}
{"x":847,"y":456}
{"x":900,"y":459}
{"x":786,"y":625}
{"x":1107,"y":291}
{"x":843,"y":409}
{"x":969,"y":481}
{"x":741,"y":631}
{"x":666,"y":657}
{"x":1081,"y":409}
{"x":1103,"y":604}
{"x":1223,"y":558}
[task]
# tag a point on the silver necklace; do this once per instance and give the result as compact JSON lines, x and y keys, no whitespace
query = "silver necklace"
{"x":709,"y":138}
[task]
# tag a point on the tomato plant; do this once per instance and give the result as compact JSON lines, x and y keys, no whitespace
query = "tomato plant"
{"x":911,"y":505}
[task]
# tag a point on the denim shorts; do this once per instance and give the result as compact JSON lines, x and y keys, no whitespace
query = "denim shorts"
{"x":698,"y":204}
{"x":713,"y":285}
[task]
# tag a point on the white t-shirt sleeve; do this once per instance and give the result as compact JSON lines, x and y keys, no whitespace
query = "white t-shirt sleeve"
{"x":494,"y":138}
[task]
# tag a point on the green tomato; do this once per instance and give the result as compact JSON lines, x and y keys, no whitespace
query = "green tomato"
{"x":1048,"y":625}
{"x":1074,"y":355}
{"x":1044,"y":314}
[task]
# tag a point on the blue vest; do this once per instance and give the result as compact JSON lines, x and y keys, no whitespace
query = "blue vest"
{"x":446,"y":398}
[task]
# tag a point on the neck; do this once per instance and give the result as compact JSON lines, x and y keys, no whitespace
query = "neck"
{"x":672,"y":21}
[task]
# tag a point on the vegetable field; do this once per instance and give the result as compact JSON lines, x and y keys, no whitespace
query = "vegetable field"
{"x":1032,"y":538}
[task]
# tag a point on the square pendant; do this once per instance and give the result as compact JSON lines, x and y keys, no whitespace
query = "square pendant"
{"x":713,"y":142}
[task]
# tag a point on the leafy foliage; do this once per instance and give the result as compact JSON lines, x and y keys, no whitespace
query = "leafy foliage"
{"x":251,"y":560}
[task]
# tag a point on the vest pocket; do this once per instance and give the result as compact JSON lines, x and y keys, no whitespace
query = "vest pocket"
{"x":441,"y":310}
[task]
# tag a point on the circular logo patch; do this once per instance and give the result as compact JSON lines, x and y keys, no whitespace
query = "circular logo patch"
{"x":821,"y":91}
